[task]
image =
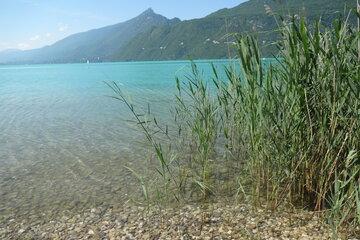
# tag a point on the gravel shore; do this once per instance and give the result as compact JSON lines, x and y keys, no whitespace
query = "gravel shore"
{"x":213,"y":221}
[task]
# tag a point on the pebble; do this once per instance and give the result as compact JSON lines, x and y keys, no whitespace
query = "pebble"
{"x":216,"y":221}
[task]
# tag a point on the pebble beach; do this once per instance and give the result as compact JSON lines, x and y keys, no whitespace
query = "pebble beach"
{"x":213,"y":221}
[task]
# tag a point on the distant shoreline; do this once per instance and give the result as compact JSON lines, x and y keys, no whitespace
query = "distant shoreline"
{"x":124,"y":62}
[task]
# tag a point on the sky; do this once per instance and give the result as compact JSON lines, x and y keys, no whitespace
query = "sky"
{"x":28,"y":24}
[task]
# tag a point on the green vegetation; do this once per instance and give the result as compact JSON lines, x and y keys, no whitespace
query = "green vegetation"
{"x":208,"y":37}
{"x":287,"y":132}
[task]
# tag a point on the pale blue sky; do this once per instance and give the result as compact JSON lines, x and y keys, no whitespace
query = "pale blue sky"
{"x":27,"y":24}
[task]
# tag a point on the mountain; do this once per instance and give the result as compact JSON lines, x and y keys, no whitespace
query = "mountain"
{"x":205,"y":38}
{"x":92,"y":45}
{"x":153,"y":37}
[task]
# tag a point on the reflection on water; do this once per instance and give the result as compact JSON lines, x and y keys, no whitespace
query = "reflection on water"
{"x":63,"y":143}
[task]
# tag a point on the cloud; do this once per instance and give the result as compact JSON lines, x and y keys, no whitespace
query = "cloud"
{"x":35,"y":38}
{"x":63,"y":27}
{"x":23,"y":46}
{"x":48,"y":35}
{"x":3,"y":44}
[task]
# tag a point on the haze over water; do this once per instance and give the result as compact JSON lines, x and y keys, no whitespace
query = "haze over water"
{"x":64,"y":143}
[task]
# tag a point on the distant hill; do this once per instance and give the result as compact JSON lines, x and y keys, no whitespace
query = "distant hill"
{"x":93,"y":45}
{"x":154,"y":37}
{"x":204,"y":38}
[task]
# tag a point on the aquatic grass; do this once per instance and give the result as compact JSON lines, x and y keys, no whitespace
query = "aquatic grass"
{"x":150,"y":127}
{"x":282,"y":132}
{"x":302,"y":117}
{"x":197,"y":111}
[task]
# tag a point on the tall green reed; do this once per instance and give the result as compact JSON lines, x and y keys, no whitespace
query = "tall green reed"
{"x":150,"y":126}
{"x":196,"y":113}
{"x":302,"y":119}
{"x":288,"y":131}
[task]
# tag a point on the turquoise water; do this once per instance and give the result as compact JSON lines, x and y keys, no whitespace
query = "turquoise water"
{"x":64,"y":143}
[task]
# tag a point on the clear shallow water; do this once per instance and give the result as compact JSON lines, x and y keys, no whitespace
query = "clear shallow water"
{"x":63,"y":143}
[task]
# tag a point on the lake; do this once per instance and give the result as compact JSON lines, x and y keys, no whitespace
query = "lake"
{"x":64,"y":143}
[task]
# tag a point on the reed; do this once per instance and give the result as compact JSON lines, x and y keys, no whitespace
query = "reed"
{"x":288,"y":131}
{"x":196,"y":115}
{"x":302,"y":118}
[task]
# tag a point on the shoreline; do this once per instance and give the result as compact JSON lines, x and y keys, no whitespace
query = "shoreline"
{"x":211,"y":221}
